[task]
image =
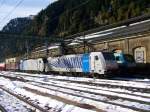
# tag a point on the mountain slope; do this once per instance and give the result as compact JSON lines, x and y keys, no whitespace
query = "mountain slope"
{"x":66,"y":17}
{"x":17,"y":25}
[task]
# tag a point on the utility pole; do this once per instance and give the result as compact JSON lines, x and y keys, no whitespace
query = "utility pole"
{"x":45,"y":61}
{"x":84,"y":43}
{"x":63,"y":48}
{"x":27,"y":49}
{"x":46,"y":44}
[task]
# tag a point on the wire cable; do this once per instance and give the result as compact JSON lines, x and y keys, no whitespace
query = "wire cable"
{"x":51,"y":19}
{"x":20,"y":2}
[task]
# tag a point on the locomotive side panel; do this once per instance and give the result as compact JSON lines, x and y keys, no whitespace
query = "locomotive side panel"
{"x":69,"y":63}
{"x":32,"y":65}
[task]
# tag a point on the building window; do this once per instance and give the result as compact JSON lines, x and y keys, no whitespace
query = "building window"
{"x":140,"y":54}
{"x":96,"y":57}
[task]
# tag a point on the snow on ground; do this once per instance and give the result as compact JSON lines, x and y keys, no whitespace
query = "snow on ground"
{"x":53,"y":103}
{"x":119,"y":90}
{"x":42,"y":100}
{"x":117,"y":101}
{"x":105,"y":107}
{"x":145,"y":83}
{"x":103,"y":91}
{"x":141,"y":83}
{"x":73,"y":78}
{"x":18,"y":87}
{"x":12,"y":104}
{"x":47,"y":78}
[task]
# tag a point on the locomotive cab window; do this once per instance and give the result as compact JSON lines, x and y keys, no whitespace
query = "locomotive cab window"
{"x":108,"y":56}
{"x":96,"y":57}
{"x":117,"y":58}
{"x":129,"y":58}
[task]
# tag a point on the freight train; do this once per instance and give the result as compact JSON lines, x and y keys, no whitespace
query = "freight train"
{"x":100,"y":63}
{"x":92,"y":63}
{"x":95,"y":63}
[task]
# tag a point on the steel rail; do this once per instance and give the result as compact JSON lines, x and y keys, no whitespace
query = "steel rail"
{"x":35,"y":106}
{"x":2,"y":109}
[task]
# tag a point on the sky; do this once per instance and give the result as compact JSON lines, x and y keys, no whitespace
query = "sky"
{"x":24,"y":9}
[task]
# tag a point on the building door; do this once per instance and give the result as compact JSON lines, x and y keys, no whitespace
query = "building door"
{"x":97,"y":64}
{"x":140,"y":55}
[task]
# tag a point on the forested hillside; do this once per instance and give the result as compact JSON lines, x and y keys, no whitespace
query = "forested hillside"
{"x":66,"y":17}
{"x":17,"y":25}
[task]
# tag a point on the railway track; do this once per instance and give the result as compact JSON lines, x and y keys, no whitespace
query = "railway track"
{"x":94,"y":90}
{"x":103,"y":98}
{"x":89,"y":79}
{"x":108,"y":83}
{"x":104,"y":92}
{"x":2,"y":109}
{"x":35,"y":107}
{"x":128,"y":85}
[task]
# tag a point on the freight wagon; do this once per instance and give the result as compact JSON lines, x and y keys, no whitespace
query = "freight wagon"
{"x":2,"y":66}
{"x":12,"y":64}
{"x":32,"y":65}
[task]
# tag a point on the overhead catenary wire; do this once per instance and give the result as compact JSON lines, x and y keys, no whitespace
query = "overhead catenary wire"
{"x":83,"y":3}
{"x":71,"y":9}
{"x":19,"y":3}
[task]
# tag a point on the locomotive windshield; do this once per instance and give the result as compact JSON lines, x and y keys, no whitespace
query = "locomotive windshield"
{"x":108,"y":56}
{"x":129,"y":58}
